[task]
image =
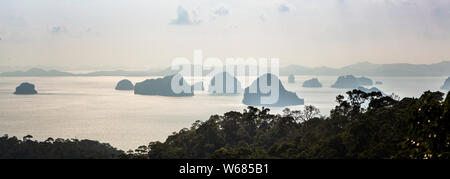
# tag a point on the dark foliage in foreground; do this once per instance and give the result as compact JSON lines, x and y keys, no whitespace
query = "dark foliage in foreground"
{"x":362,"y":125}
{"x":13,"y":148}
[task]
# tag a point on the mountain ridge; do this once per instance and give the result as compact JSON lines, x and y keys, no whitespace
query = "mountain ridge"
{"x":360,"y":69}
{"x":370,"y":69}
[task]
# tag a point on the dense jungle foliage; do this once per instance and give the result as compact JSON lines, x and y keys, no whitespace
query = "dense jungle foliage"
{"x":361,"y":126}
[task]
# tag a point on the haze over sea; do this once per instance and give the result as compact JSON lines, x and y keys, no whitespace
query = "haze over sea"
{"x":89,"y":107}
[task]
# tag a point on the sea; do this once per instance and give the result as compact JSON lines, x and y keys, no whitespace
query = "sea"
{"x":90,"y":107}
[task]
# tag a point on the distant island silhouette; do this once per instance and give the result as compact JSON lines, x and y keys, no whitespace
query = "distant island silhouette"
{"x":446,"y":85}
{"x":312,"y":83}
{"x":223,"y":89}
{"x":25,"y":88}
{"x":198,"y":86}
{"x":162,"y":87}
{"x":378,"y":83}
{"x":373,"y":89}
{"x":125,"y":84}
{"x":360,"y":69}
{"x":291,"y":79}
{"x":285,"y":98}
{"x":370,"y":69}
{"x":350,"y":81}
{"x":35,"y":72}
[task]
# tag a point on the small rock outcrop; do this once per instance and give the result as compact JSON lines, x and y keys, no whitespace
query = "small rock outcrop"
{"x":163,"y":87}
{"x":291,"y":79}
{"x":285,"y":98}
{"x":350,"y":81}
{"x":224,"y":84}
{"x":25,"y":88}
{"x":446,"y":85}
{"x":198,"y":86}
{"x":373,"y":89}
{"x":312,"y":83}
{"x":125,"y":85}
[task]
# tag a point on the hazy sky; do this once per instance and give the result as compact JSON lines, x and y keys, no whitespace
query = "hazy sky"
{"x":149,"y":34}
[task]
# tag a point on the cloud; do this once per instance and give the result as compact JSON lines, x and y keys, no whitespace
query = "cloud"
{"x":184,"y":17}
{"x":221,"y":11}
{"x":58,"y":30}
{"x":72,"y":32}
{"x":262,"y":17}
{"x":283,"y":8}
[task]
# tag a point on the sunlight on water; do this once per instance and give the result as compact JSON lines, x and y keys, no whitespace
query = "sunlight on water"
{"x":89,"y":107}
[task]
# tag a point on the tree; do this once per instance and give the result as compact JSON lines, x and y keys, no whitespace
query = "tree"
{"x":429,"y":125}
{"x":362,"y":125}
{"x":27,"y":138}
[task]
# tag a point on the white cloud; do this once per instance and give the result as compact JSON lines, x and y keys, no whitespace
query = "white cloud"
{"x":262,"y":17}
{"x":185,"y":18}
{"x":347,"y":29}
{"x":284,"y":8}
{"x":58,"y":29}
{"x":221,"y":11}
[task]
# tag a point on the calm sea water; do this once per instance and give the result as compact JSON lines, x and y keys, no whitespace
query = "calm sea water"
{"x":89,"y":107}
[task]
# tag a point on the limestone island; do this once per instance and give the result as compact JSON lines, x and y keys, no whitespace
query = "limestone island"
{"x":198,"y":86}
{"x":350,"y":81}
{"x":312,"y":83}
{"x":373,"y":89}
{"x":285,"y":98}
{"x":224,"y":84}
{"x":125,"y":84}
{"x":163,"y":87}
{"x":25,"y":88}
{"x":446,"y":85}
{"x":291,"y":79}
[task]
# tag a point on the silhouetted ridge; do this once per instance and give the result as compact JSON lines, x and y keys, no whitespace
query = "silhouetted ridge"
{"x":285,"y":98}
{"x":25,"y":88}
{"x":312,"y":83}
{"x":36,"y":72}
{"x":291,"y":79}
{"x":364,"y":68}
{"x":198,"y":86}
{"x":125,"y":85}
{"x":13,"y":148}
{"x":446,"y":85}
{"x":163,"y":87}
{"x":373,"y":89}
{"x":369,"y":69}
{"x":229,"y":84}
{"x":350,"y":81}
